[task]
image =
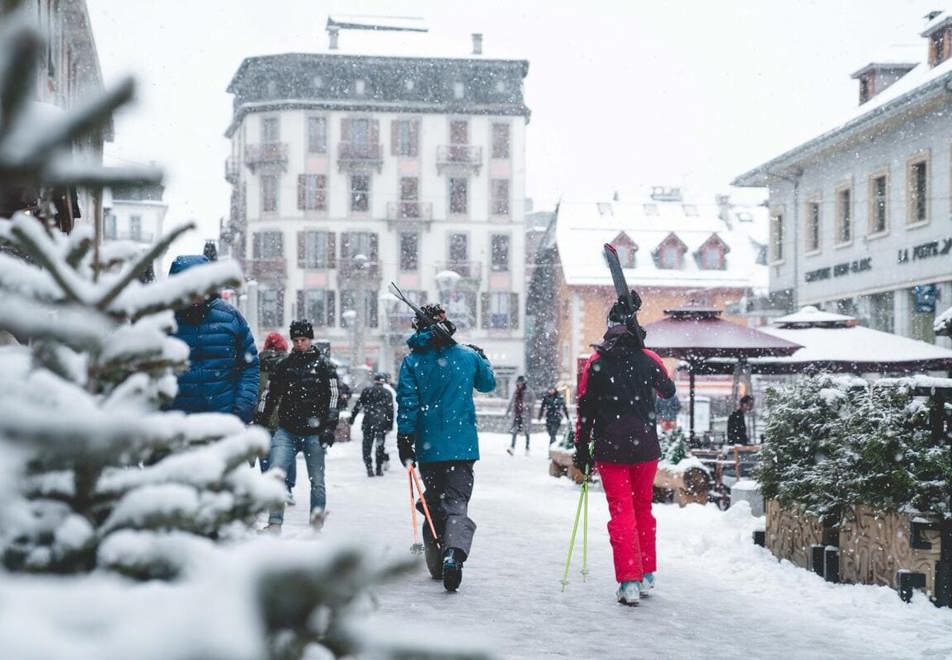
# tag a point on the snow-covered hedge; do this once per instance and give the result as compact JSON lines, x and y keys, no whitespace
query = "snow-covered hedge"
{"x":837,"y":441}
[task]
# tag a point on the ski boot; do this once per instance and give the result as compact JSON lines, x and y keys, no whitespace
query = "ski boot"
{"x":629,"y":593}
{"x":452,"y":569}
{"x":647,"y":584}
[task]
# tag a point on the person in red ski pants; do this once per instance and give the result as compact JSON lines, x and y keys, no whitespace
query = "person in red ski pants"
{"x":616,"y":414}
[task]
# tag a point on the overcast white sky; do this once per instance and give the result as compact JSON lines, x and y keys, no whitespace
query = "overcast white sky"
{"x":623,"y":94}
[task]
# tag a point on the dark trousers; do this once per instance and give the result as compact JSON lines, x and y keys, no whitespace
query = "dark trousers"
{"x":449,"y":486}
{"x":374,"y":437}
{"x":553,"y":429}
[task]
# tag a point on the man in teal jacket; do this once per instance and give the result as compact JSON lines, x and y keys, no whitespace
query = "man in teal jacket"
{"x":436,"y":426}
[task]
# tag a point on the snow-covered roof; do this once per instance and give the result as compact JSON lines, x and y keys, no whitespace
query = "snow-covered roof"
{"x":584,"y":227}
{"x":811,"y":316}
{"x":920,"y":81}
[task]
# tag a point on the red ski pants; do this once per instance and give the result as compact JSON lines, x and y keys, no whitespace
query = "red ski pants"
{"x":632,"y":526}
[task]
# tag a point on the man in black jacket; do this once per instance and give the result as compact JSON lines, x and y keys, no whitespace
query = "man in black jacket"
{"x":553,"y":406}
{"x":304,"y":388}
{"x":616,"y":413}
{"x":737,"y":422}
{"x":378,"y":420}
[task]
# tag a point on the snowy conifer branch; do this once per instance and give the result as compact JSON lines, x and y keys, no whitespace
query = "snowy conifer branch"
{"x":17,"y":65}
{"x":179,"y":291}
{"x":32,"y":238}
{"x":142,"y":264}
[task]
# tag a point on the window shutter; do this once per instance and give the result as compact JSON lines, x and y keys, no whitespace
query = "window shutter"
{"x":373,"y":248}
{"x":513,"y":311}
{"x":375,"y":131}
{"x":329,"y":305}
{"x":345,"y":246}
{"x":302,"y":182}
{"x":301,"y":311}
{"x":394,"y":135}
{"x":331,"y":251}
{"x":345,"y":130}
{"x":280,"y":310}
{"x":300,"y":249}
{"x":256,"y":246}
{"x":414,"y":136}
{"x":280,"y":241}
{"x":484,"y":311}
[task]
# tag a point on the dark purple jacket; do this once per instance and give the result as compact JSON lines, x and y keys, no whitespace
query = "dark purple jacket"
{"x":616,"y":399}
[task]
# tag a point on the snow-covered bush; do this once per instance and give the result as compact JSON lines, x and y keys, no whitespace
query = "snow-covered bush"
{"x":674,"y":446}
{"x":836,"y":441}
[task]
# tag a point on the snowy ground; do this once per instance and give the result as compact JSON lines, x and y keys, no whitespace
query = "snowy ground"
{"x":718,"y":595}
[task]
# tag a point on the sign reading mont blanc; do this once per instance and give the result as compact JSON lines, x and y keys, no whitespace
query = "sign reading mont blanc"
{"x":925,"y":250}
{"x":839,"y":270}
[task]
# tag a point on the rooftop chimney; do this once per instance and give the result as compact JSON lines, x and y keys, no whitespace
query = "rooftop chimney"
{"x":333,"y":32}
{"x":477,"y":43}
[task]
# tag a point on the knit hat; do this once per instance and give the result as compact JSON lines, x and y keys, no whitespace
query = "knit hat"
{"x":275,"y":342}
{"x":302,"y":328}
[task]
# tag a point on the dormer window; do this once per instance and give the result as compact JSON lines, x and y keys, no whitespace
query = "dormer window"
{"x":712,"y":254}
{"x":937,"y":49}
{"x":877,"y":76}
{"x":669,"y":255}
{"x":626,"y":249}
{"x":939,"y":34}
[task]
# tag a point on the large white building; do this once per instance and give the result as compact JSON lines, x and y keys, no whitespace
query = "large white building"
{"x":860,"y":214}
{"x":352,"y":170}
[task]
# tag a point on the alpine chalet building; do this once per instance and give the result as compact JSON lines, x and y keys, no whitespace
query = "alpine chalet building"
{"x":352,"y":170}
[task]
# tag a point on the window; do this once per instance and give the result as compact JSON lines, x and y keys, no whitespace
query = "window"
{"x":500,"y":197}
{"x":500,"y":252}
{"x":409,"y":252}
{"x":267,"y":245}
{"x":918,"y":187}
{"x":270,"y":130}
{"x":135,"y":228}
{"x":459,"y":196}
{"x":360,"y":86}
{"x":813,"y":220}
{"x":317,"y":82}
{"x":626,"y":255}
{"x":844,"y":215}
{"x":312,"y":192}
{"x":776,"y":237}
{"x":360,"y":193}
{"x":404,"y":137}
{"x":500,"y":141}
{"x":270,"y":308}
{"x":316,"y":305}
{"x":460,"y":306}
{"x":712,"y":258}
{"x":348,"y":300}
{"x":937,"y":48}
{"x":316,"y":249}
{"x":408,"y":84}
{"x":269,"y":193}
{"x":879,"y":202}
{"x":459,"y":249}
{"x":864,"y":88}
{"x":358,"y":242}
{"x":409,"y":197}
{"x":500,"y":310}
{"x":459,"y":132}
{"x":669,"y":256}
{"x":881,"y":311}
{"x":459,"y":89}
{"x":316,"y":135}
{"x":109,"y":226}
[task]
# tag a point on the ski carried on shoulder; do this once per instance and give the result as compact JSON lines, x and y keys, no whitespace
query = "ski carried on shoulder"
{"x":425,"y":321}
{"x":628,"y":298}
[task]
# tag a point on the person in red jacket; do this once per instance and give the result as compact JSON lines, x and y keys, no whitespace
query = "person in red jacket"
{"x":616,"y":413}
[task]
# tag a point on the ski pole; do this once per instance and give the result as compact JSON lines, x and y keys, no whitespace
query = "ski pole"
{"x":585,"y":529}
{"x":568,"y":560}
{"x":417,"y":547}
{"x":426,"y":509}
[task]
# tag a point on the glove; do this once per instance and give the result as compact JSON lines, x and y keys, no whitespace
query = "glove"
{"x":327,"y":438}
{"x":350,"y":420}
{"x":478,"y":350}
{"x":406,"y":446}
{"x":583,"y":458}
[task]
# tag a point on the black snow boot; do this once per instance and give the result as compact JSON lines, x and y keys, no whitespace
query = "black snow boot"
{"x":452,"y":569}
{"x":370,"y":471}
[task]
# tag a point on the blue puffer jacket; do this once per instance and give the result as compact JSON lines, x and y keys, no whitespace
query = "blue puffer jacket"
{"x":435,"y":398}
{"x":222,"y":374}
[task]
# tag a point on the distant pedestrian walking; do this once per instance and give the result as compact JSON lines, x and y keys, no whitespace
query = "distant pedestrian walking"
{"x":275,"y":349}
{"x":553,"y":407}
{"x":377,"y":405}
{"x":520,"y":407}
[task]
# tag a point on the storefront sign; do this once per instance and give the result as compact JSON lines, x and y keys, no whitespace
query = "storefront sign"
{"x":925,"y":250}
{"x":839,"y":270}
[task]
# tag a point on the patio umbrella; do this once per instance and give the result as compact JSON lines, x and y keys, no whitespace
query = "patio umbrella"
{"x":698,"y":334}
{"x":837,"y":343}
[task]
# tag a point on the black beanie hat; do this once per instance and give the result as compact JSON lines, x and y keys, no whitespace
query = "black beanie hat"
{"x":302,"y":328}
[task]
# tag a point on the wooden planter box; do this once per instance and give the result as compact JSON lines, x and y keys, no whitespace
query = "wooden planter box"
{"x":683,"y":487}
{"x":791,"y":533}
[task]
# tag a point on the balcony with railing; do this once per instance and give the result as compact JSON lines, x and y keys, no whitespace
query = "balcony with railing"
{"x":359,"y":156}
{"x":269,"y":269}
{"x":135,"y":236}
{"x":409,"y":213}
{"x":351,"y":268}
{"x":459,"y":157}
{"x":232,"y":168}
{"x":471,"y":272}
{"x":266,"y":153}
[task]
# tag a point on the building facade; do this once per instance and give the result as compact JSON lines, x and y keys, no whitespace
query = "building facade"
{"x":860,"y":214}
{"x":350,"y":171}
{"x":134,"y":213}
{"x":674,"y":252}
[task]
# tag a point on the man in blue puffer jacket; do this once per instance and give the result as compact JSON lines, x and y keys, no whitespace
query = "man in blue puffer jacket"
{"x":222,"y":374}
{"x":436,"y":425}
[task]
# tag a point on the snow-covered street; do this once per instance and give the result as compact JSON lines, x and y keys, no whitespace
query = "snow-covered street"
{"x":718,"y":595}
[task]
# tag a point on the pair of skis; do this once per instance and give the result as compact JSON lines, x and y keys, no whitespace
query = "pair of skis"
{"x":423,"y":318}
